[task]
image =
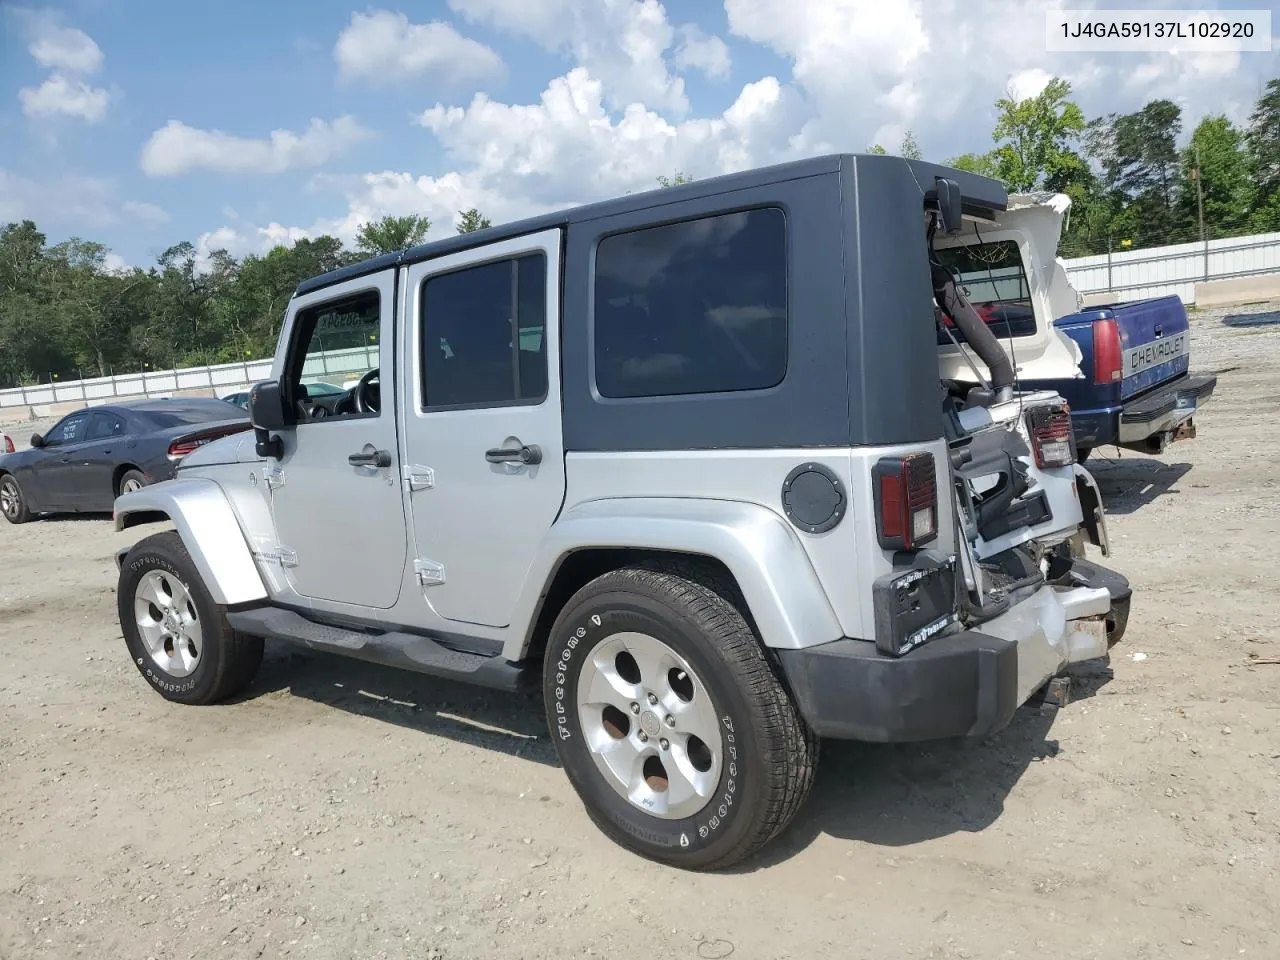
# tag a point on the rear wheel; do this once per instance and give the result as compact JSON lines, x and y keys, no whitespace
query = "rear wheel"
{"x":178,"y":637}
{"x":13,"y":504}
{"x":670,"y":720}
{"x":132,"y":480}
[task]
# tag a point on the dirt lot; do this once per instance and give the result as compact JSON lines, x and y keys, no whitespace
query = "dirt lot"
{"x":347,"y":811}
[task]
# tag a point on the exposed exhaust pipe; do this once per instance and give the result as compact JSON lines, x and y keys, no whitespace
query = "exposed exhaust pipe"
{"x":978,"y":335}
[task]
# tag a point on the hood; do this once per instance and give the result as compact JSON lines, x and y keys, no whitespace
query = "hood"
{"x":1035,"y":221}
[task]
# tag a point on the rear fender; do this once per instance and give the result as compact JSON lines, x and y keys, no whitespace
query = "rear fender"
{"x":782,"y":591}
{"x":209,"y":530}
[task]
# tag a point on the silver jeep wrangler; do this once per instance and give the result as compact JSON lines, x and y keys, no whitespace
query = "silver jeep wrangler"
{"x":689,"y":459}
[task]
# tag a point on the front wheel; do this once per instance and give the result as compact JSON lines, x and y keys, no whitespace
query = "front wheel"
{"x":177,"y":635}
{"x":670,"y":720}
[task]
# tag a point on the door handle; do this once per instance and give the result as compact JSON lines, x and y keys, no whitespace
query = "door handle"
{"x":529,"y":453}
{"x":370,"y":458}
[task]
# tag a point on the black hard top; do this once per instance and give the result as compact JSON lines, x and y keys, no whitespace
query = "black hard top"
{"x":982,"y":195}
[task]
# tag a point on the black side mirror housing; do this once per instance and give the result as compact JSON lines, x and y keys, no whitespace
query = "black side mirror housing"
{"x":950,"y":209}
{"x":37,"y":441}
{"x":267,"y":413}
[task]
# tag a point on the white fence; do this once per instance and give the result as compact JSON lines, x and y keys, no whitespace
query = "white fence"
{"x":1160,"y":271}
{"x":1131,"y":275}
{"x":217,"y":380}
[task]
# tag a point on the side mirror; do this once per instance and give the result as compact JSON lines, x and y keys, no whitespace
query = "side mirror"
{"x":267,"y":413}
{"x":950,"y":211}
{"x":266,"y":406}
{"x":37,"y":441}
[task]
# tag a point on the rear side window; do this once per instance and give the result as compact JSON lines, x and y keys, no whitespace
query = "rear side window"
{"x":693,"y":307}
{"x":483,"y":335}
{"x":996,"y":283}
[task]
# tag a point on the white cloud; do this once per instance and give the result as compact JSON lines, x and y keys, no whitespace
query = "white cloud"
{"x":75,"y":98}
{"x":177,"y":148}
{"x":146,"y":212}
{"x":72,"y":201}
{"x":60,"y":47}
{"x":384,"y":47}
{"x":623,"y":42}
{"x":702,"y":52}
{"x":114,"y":263}
{"x":1029,"y":83}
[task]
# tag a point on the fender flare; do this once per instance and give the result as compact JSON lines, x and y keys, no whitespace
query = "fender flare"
{"x":209,"y":529}
{"x":760,"y":549}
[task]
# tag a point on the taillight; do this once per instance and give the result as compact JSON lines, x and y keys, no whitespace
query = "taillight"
{"x":8,"y":443}
{"x":182,"y":446}
{"x":1107,"y":355}
{"x":1052,"y":438}
{"x":906,"y":494}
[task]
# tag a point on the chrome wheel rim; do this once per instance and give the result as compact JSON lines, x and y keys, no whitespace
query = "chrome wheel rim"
{"x":650,"y":726}
{"x":130,"y":485}
{"x":10,"y":499}
{"x":168,"y":622}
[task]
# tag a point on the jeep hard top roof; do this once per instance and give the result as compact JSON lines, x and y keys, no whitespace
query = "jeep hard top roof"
{"x":982,"y":197}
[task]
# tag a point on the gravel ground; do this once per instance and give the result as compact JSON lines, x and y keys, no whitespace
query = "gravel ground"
{"x":342,"y":810}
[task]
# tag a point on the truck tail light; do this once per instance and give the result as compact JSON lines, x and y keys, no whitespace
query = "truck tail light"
{"x":1052,"y":438}
{"x":906,"y":498}
{"x":1108,"y":364}
{"x":188,"y":443}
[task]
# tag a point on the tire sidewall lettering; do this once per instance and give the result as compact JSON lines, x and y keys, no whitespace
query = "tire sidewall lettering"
{"x":133,"y":571}
{"x":571,"y":644}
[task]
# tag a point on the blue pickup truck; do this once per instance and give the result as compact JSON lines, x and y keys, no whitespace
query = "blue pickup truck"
{"x":1137,"y":391}
{"x":1124,"y":368}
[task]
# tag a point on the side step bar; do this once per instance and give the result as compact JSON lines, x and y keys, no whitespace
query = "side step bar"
{"x":392,"y":648}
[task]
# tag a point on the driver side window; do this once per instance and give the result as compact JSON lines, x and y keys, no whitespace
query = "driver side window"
{"x":333,"y":370}
{"x":70,"y":430}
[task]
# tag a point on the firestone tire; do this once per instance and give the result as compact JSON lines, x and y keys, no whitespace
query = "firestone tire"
{"x":767,"y":755}
{"x":177,"y":636}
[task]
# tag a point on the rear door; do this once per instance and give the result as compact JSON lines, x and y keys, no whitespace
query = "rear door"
{"x":1155,"y":343}
{"x":480,"y":406}
{"x":95,"y":465}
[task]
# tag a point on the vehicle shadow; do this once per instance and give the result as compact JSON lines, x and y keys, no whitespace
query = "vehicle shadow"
{"x":1130,"y":483}
{"x":897,"y":795}
{"x":494,"y":720}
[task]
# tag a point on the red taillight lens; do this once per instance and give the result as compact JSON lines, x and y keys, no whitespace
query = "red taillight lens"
{"x":1052,"y":438}
{"x":906,"y":493}
{"x":1107,"y":355}
{"x":182,"y":446}
{"x":8,"y":444}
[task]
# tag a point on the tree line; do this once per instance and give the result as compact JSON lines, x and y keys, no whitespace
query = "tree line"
{"x":63,"y":315}
{"x":1130,"y":184}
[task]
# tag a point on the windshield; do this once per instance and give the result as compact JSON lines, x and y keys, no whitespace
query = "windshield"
{"x":995,"y":282}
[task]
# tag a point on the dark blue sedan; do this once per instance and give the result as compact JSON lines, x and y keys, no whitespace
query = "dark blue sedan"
{"x":91,"y":456}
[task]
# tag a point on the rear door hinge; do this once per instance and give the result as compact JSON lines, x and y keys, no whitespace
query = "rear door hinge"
{"x":274,"y":478}
{"x":429,"y":572}
{"x":418,"y":478}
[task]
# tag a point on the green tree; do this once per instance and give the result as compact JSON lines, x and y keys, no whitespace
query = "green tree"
{"x":1214,"y":162}
{"x":1032,"y":135}
{"x":980,"y":163}
{"x":878,"y":150}
{"x":909,"y":148}
{"x":469,"y":221}
{"x":674,"y":181}
{"x":1263,"y":145}
{"x":391,"y":233}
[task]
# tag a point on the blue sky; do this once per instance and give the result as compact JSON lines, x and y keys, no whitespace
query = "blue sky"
{"x":140,"y":123}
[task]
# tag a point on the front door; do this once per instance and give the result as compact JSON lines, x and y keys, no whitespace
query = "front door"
{"x":482,"y":421}
{"x":335,"y":495}
{"x":55,"y":469}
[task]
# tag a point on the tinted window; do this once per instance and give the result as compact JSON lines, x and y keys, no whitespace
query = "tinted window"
{"x":70,"y":430}
{"x":693,"y":307}
{"x":104,"y":426}
{"x":483,"y":334}
{"x":995,"y":282}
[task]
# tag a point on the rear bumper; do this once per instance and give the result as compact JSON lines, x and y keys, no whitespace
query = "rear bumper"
{"x":968,"y":683}
{"x":1165,"y":409}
